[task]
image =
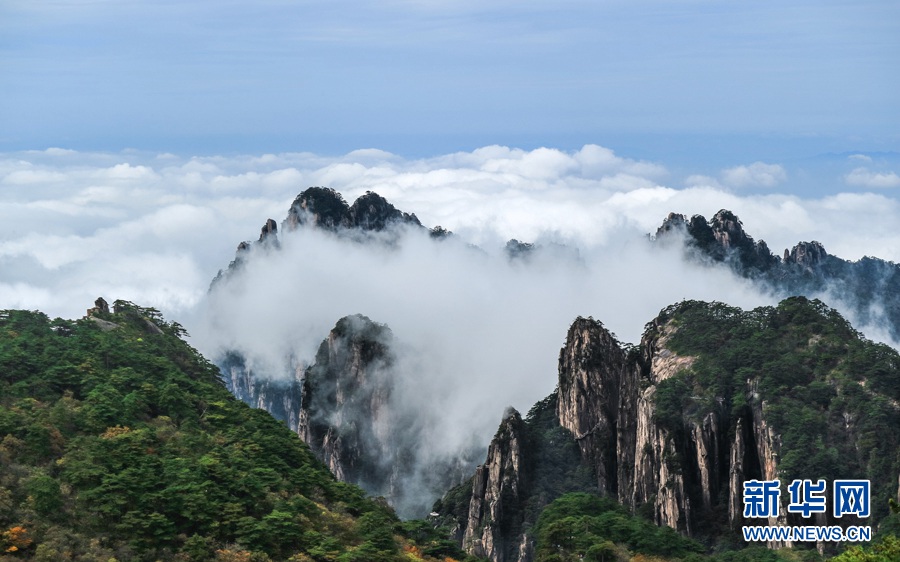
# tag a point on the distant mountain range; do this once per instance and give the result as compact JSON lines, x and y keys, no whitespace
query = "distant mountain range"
{"x":869,"y":288}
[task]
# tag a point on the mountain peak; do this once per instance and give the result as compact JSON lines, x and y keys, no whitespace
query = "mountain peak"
{"x":320,"y":206}
{"x":722,"y":238}
{"x":373,"y":212}
{"x":674,"y":221}
{"x":268,"y":235}
{"x":324,"y":207}
{"x":728,"y":230}
{"x":807,"y":254}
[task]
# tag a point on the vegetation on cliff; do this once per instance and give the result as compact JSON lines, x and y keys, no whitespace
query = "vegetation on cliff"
{"x":832,"y":396}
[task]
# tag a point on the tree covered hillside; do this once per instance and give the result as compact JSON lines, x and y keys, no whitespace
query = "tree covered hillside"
{"x":118,"y":441}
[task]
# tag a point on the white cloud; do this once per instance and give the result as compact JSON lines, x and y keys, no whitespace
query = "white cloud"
{"x":699,"y":180}
{"x":66,"y":215}
{"x":863,"y":177}
{"x":758,"y":174}
{"x":32,"y":177}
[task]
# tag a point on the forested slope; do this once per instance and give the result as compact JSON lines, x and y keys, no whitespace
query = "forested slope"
{"x":118,"y":441}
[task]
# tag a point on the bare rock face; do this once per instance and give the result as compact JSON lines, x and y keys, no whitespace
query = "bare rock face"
{"x":279,"y":397}
{"x":491,"y":515}
{"x":344,"y":413}
{"x":497,"y":495}
{"x":657,"y":480}
{"x":606,"y":399}
{"x":591,"y":370}
{"x":268,"y":234}
{"x":728,"y":230}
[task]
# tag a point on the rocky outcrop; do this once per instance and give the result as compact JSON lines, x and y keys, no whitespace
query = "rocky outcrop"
{"x":318,"y":206}
{"x":345,"y":415}
{"x":100,"y":307}
{"x":606,"y":399}
{"x":728,"y":230}
{"x":498,"y":491}
{"x":339,"y":405}
{"x":722,"y":239}
{"x":268,"y":240}
{"x":806,"y":254}
{"x":268,"y":234}
{"x":344,"y":407}
{"x":658,"y":480}
{"x":591,"y":370}
{"x":325,"y":208}
{"x":869,"y":289}
{"x":530,"y":462}
{"x":373,"y":212}
{"x":673,"y":223}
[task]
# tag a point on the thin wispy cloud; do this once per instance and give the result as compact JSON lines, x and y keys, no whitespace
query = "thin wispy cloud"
{"x":757,"y":174}
{"x":863,"y":177}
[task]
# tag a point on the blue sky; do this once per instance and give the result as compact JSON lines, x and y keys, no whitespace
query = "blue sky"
{"x":665,"y":79}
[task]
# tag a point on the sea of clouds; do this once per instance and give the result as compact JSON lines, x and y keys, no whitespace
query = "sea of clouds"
{"x":479,"y":332}
{"x":155,"y":228}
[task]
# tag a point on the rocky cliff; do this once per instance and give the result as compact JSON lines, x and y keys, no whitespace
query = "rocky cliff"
{"x":712,"y":397}
{"x":530,"y":462}
{"x":606,"y":399}
{"x":498,"y":493}
{"x":344,"y":414}
{"x":279,"y":397}
{"x":651,"y":425}
{"x":370,"y":217}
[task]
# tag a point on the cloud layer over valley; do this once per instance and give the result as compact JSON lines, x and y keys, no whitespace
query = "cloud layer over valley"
{"x":156,"y":228}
